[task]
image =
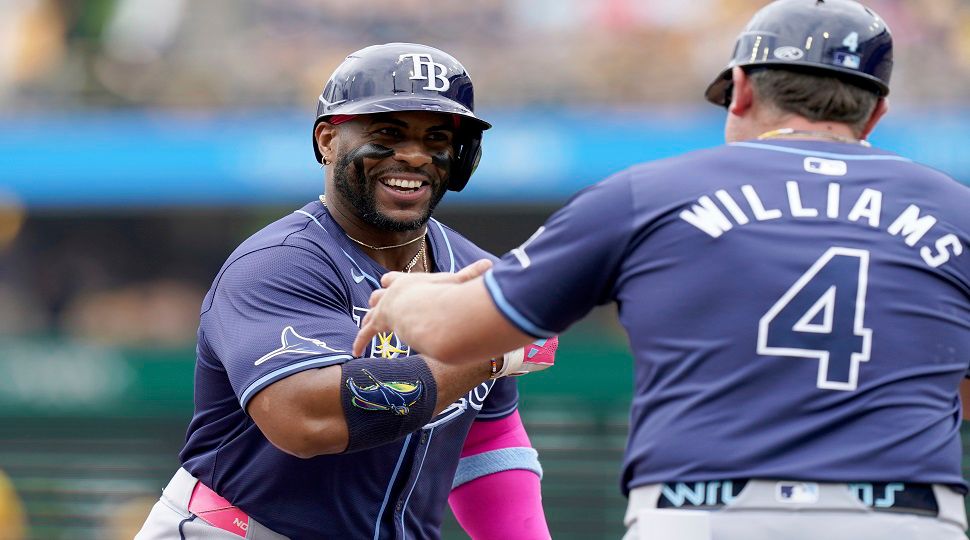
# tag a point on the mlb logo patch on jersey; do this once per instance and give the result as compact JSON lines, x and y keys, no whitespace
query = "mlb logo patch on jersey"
{"x":796,"y":492}
{"x":826,"y":167}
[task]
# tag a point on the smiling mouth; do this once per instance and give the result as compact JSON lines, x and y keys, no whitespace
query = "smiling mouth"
{"x":404,"y":186}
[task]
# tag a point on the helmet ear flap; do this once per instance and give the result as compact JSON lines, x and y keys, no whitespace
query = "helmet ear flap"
{"x":468,"y":150}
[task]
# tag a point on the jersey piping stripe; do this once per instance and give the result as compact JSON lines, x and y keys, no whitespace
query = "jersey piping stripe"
{"x":801,"y":152}
{"x":513,"y":314}
{"x":390,"y":484}
{"x":451,"y":254}
{"x":311,"y":216}
{"x":499,"y":414}
{"x":414,"y":484}
{"x":320,"y":361}
{"x":369,"y":277}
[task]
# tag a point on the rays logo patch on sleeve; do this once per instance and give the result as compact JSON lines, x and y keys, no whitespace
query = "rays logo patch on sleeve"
{"x":397,"y":397}
{"x":295,"y":344}
{"x":387,"y":345}
{"x":384,"y":344}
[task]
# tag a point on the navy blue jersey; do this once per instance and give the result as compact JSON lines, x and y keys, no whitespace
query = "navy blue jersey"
{"x":291,"y":298}
{"x":796,"y":309}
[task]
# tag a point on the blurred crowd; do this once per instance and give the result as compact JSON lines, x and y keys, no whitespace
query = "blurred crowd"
{"x":114,"y":278}
{"x":63,"y":54}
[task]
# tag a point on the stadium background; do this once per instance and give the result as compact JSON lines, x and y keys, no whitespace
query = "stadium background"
{"x":141,"y":140}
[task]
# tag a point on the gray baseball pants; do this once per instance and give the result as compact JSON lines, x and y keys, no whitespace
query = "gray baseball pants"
{"x":170,"y":518}
{"x":757,"y":514}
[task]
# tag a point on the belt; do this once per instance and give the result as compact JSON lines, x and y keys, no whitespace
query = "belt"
{"x":905,"y":497}
{"x":217,"y":511}
{"x":187,"y":496}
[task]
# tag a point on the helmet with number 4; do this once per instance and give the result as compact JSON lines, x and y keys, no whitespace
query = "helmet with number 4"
{"x":408,"y":77}
{"x":840,"y":38}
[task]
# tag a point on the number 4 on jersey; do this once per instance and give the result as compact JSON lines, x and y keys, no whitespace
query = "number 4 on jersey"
{"x":821,"y":316}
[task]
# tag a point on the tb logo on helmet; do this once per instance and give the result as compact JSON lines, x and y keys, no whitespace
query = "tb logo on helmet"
{"x":426,"y":68}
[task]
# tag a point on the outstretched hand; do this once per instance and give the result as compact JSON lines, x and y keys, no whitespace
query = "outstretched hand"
{"x":390,"y":304}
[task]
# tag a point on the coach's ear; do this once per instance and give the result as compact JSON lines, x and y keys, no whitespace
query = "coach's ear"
{"x":743,"y":94}
{"x":324,"y":134}
{"x":882,"y":107}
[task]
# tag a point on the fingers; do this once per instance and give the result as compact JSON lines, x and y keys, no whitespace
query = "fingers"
{"x":473,"y":270}
{"x":368,"y":329}
{"x":375,"y":297}
{"x":376,"y":320}
{"x":467,"y":273}
{"x":390,"y":278}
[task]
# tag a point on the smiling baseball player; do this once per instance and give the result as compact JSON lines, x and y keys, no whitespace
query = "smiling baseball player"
{"x":292,"y":436}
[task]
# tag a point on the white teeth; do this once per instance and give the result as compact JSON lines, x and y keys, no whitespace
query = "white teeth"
{"x":405,"y":184}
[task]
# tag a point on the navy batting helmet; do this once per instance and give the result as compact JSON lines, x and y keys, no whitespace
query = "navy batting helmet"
{"x":407,"y":77}
{"x":840,"y":38}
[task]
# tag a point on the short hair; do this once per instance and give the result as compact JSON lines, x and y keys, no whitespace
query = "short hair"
{"x":817,"y":97}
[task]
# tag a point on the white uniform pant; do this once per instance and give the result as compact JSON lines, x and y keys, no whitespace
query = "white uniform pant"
{"x":170,"y":518}
{"x":756,"y":514}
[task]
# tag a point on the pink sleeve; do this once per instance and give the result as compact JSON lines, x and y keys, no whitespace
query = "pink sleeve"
{"x":506,"y":503}
{"x":485,"y":436}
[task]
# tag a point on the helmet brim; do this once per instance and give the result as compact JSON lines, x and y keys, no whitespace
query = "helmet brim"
{"x":407,"y":104}
{"x":716,"y":92}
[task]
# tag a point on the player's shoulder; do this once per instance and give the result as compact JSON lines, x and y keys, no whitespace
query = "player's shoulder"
{"x":300,"y":229}
{"x":656,"y":181}
{"x":938,"y":179}
{"x":288,"y":249}
{"x":934,"y":191}
{"x":675,"y":167}
{"x":453,"y":247}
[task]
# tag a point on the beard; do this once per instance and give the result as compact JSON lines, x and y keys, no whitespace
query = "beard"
{"x":352,"y":184}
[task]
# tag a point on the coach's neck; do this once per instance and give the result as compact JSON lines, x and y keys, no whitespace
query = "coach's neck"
{"x":750,"y":117}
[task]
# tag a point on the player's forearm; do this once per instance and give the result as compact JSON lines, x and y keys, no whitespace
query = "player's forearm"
{"x":454,"y":323}
{"x":456,"y":380}
{"x":302,"y":415}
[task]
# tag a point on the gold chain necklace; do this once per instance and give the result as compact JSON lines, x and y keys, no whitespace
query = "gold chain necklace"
{"x":377,"y":248}
{"x":414,"y":260}
{"x":795,"y":133}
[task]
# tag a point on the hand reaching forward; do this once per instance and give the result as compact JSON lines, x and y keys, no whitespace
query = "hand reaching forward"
{"x":408,"y":294}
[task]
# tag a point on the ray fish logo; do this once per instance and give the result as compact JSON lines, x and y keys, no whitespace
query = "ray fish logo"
{"x":294,"y":343}
{"x":397,"y":397}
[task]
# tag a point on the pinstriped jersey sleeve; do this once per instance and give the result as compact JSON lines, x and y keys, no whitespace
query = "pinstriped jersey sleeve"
{"x":570,"y":265}
{"x":272,"y":313}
